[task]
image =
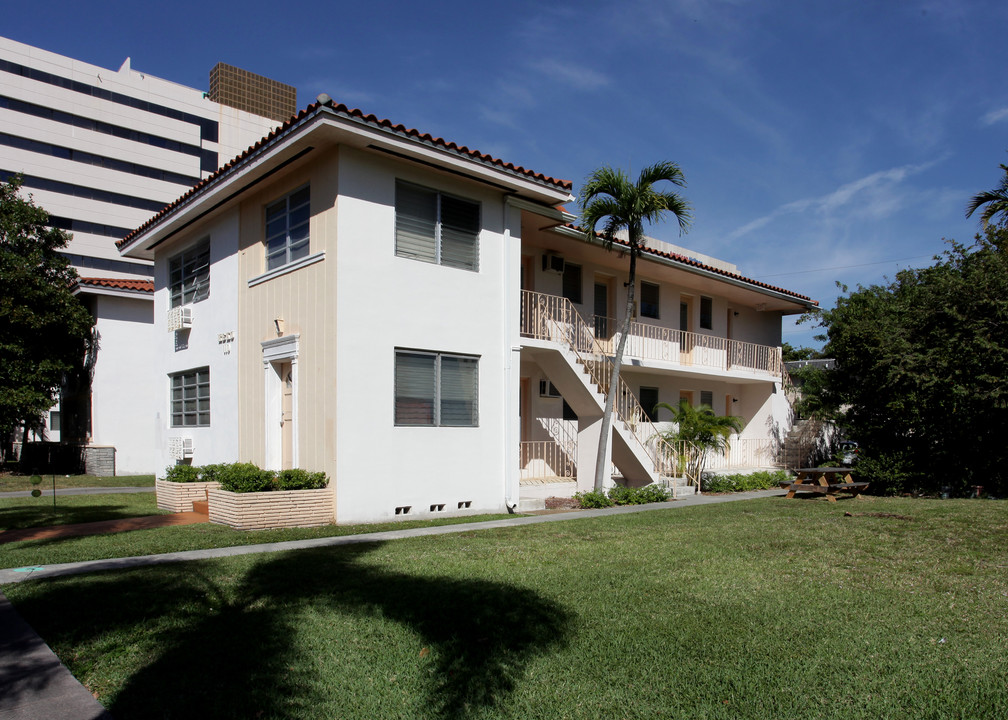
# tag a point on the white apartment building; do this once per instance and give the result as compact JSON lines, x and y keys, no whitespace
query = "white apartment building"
{"x":101,"y":151}
{"x":421,"y":322}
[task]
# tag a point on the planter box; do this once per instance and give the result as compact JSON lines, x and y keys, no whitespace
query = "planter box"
{"x":178,"y":497}
{"x":277,"y":509}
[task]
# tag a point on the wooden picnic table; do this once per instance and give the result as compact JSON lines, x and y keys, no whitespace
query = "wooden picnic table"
{"x":825,"y":480}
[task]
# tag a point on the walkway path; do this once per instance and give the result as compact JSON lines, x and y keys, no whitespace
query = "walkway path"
{"x":103,"y":527}
{"x":34,"y":685}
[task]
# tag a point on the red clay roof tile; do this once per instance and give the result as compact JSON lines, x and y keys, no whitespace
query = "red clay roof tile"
{"x":117,"y":284}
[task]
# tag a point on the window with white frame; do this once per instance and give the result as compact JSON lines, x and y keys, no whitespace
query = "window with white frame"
{"x":190,"y":398}
{"x":436,"y":228}
{"x":287,"y":228}
{"x":436,"y":389}
{"x":648,"y":300}
{"x":189,"y":275}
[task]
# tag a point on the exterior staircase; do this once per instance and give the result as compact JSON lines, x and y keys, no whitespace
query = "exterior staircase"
{"x":800,"y":442}
{"x":579,"y":367}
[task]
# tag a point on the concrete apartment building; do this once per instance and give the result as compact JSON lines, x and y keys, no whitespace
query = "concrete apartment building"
{"x":102,"y":151}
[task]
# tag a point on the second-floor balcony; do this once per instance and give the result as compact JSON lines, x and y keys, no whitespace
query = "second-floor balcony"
{"x":650,"y":343}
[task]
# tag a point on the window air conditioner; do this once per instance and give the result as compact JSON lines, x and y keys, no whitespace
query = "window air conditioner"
{"x":187,"y":451}
{"x":553,"y":263}
{"x":548,"y":389}
{"x":179,"y":318}
{"x":180,"y":448}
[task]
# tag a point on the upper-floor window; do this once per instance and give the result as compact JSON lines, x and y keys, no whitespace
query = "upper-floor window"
{"x":436,"y":228}
{"x":287,"y":228}
{"x":572,"y":283}
{"x":436,"y":389}
{"x":648,"y":300}
{"x":706,"y":312}
{"x":190,"y":398}
{"x":189,"y":275}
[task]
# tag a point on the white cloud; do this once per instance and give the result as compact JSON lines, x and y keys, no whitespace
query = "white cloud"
{"x":877,"y":195}
{"x":571,"y":74}
{"x":995,"y":116}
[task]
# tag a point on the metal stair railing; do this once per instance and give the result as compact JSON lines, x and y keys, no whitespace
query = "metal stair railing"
{"x":554,"y":318}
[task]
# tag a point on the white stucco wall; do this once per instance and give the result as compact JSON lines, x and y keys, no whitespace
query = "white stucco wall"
{"x":212,"y":318}
{"x":388,"y":302}
{"x":122,"y":391}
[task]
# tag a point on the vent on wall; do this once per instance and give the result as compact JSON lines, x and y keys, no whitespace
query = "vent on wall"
{"x":179,"y":318}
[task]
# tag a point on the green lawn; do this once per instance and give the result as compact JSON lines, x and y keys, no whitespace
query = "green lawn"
{"x":39,"y":512}
{"x":754,"y":609}
{"x":11,"y":483}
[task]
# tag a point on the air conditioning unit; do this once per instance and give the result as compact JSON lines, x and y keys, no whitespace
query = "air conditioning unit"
{"x":548,"y":389}
{"x":553,"y":263}
{"x":179,"y":318}
{"x":180,"y":448}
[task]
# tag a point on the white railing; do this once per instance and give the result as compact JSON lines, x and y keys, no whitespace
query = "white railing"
{"x":554,"y":318}
{"x":653,"y":342}
{"x":747,"y":453}
{"x":546,"y":460}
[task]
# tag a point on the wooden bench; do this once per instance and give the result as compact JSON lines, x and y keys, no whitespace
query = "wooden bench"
{"x":826,"y":481}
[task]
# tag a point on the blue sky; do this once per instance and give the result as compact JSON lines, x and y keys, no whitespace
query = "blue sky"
{"x":821,"y":141}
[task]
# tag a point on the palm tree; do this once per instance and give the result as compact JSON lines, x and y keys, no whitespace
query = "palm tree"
{"x":609,"y":197}
{"x":701,"y":430}
{"x":996,"y":201}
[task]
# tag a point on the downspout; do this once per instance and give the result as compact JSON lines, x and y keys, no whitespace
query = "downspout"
{"x":510,"y":501}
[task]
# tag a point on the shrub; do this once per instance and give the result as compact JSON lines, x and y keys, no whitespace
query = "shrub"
{"x":740,"y":482}
{"x":300,"y":479}
{"x":593,"y":499}
{"x":211,"y":473}
{"x":244,"y":478}
{"x":622,"y":495}
{"x":652,"y":493}
{"x":182,"y":473}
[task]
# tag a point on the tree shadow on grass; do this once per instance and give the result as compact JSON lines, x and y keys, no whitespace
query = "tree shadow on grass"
{"x":41,"y":514}
{"x":233,"y":650}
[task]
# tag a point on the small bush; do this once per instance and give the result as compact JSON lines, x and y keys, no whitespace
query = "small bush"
{"x":211,"y":473}
{"x":300,"y":479}
{"x":740,"y":482}
{"x":244,"y":478}
{"x":182,"y":473}
{"x":593,"y":499}
{"x":652,"y":493}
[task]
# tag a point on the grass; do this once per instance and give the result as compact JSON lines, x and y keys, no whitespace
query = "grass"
{"x":38,"y":512}
{"x":752,"y":609}
{"x":10,"y":482}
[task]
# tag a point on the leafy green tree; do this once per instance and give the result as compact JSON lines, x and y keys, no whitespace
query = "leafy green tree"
{"x":703,"y":429}
{"x":611,"y":199}
{"x":996,"y":202}
{"x":921,"y":371}
{"x":790,"y":353}
{"x":43,"y":327}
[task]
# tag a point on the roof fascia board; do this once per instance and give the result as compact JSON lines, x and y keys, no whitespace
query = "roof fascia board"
{"x":551,"y":213}
{"x":113,"y":292}
{"x":669,"y":262}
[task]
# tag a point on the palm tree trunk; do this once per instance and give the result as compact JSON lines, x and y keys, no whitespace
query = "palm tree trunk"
{"x":600,"y":461}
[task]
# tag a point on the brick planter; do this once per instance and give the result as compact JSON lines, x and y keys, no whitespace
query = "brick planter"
{"x":277,"y":509}
{"x":178,"y":497}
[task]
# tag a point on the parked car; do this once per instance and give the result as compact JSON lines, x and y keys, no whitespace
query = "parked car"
{"x":848,"y":452}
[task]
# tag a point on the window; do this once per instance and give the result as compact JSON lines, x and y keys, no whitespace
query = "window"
{"x":54,"y":421}
{"x":436,"y":389}
{"x":568,"y":412}
{"x":436,"y":228}
{"x":287,"y":228}
{"x":706,"y":312}
{"x":190,"y":398}
{"x":189,"y":275}
{"x":572,"y":283}
{"x":648,"y":300}
{"x":707,"y":398}
{"x":648,"y":400}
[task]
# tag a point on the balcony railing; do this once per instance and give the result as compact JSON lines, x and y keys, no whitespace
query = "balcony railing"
{"x":679,"y":347}
{"x":546,"y":460}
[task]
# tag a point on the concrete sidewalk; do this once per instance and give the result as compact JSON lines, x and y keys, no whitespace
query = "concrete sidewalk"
{"x":34,"y":684}
{"x":79,"y":491}
{"x":13,"y":575}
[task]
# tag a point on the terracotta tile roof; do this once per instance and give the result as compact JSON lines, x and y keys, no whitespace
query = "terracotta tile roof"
{"x":358,"y":115}
{"x":117,"y":284}
{"x":703,"y":266}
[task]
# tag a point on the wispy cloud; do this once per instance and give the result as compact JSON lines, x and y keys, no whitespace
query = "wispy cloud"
{"x":878,"y":195}
{"x":571,"y":74}
{"x":995,"y":116}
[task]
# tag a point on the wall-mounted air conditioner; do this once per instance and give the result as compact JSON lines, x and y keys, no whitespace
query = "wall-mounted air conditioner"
{"x":180,"y":448}
{"x":179,"y":318}
{"x":548,"y":389}
{"x":553,"y":263}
